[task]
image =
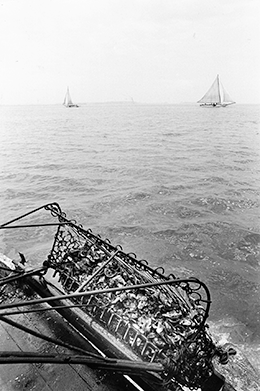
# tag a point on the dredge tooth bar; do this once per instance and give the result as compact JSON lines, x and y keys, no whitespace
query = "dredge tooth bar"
{"x":137,"y":310}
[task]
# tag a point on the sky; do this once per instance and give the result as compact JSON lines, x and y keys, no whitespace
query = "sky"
{"x":152,"y":51}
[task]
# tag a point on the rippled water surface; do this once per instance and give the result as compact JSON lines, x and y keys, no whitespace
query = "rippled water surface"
{"x":176,"y":184}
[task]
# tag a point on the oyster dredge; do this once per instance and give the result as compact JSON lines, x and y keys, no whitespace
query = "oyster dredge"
{"x":143,"y":324}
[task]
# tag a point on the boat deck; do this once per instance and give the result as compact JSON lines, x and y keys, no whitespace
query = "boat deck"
{"x":50,"y":377}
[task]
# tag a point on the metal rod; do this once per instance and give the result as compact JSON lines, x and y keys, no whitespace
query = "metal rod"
{"x":57,"y":307}
{"x":97,"y":272}
{"x":100,"y":291}
{"x":29,"y":213}
{"x":33,"y":225}
{"x":8,"y":280}
{"x":109,"y":364}
{"x":7,"y":269}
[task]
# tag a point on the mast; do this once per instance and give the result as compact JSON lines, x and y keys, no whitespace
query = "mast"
{"x":219,"y":96}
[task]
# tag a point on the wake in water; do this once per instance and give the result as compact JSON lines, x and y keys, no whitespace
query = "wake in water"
{"x":242,"y":370}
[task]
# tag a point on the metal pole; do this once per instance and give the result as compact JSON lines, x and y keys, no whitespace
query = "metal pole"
{"x":100,"y":291}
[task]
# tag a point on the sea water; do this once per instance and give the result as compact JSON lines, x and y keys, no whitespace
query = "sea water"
{"x":178,"y":185}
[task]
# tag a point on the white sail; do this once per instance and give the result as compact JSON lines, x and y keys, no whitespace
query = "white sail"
{"x":67,"y":100}
{"x":225,"y":98}
{"x":216,"y":95}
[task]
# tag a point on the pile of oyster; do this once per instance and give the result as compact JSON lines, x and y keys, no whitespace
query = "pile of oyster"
{"x":165,"y":315}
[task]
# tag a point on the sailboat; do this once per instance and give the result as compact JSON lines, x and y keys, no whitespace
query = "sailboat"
{"x":67,"y":100}
{"x":216,"y":96}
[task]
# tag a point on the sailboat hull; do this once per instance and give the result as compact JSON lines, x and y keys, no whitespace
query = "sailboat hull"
{"x":212,"y":106}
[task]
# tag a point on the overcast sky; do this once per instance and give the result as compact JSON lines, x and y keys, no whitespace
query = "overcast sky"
{"x":154,"y":51}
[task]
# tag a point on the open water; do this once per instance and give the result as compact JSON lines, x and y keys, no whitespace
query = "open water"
{"x":176,"y":184}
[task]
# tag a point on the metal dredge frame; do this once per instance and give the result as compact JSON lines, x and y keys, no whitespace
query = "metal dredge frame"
{"x":70,"y":237}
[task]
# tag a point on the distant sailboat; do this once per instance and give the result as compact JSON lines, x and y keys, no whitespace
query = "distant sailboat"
{"x":67,"y":100}
{"x":216,"y":96}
